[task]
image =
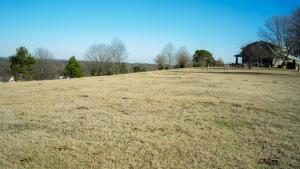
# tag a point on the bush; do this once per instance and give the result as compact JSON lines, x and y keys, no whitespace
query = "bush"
{"x":138,"y":69}
{"x":123,"y":68}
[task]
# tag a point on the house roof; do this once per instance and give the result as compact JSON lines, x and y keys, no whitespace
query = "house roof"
{"x":238,"y":55}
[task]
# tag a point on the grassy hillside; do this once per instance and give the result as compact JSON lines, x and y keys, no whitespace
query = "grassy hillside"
{"x":164,"y":119}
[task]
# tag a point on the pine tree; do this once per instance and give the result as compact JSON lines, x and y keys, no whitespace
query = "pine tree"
{"x":21,"y":63}
{"x":73,"y":68}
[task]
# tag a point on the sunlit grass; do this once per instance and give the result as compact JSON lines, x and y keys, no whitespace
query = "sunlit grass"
{"x":185,"y":118}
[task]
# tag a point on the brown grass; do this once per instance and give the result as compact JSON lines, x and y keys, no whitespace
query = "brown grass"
{"x":186,"y":118}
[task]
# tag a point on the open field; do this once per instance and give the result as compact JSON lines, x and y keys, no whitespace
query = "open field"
{"x":185,"y":118}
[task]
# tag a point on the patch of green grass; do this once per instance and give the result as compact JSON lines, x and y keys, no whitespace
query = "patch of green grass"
{"x":232,"y":124}
{"x":222,"y":123}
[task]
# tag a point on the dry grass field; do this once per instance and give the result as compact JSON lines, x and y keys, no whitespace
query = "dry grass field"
{"x":186,"y":118}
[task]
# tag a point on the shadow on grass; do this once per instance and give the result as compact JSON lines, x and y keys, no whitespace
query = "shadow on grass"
{"x":244,"y":73}
{"x":249,"y":73}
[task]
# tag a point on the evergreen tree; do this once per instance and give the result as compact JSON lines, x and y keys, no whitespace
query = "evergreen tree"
{"x":21,"y":63}
{"x":73,"y":68}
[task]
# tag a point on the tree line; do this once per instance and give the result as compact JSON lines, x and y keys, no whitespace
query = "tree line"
{"x":39,"y":65}
{"x":180,"y":58}
{"x":101,"y":59}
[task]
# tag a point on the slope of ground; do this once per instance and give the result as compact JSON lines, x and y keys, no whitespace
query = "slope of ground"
{"x":165,"y":119}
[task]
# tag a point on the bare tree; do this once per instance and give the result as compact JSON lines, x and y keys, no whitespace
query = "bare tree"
{"x":219,"y":62}
{"x":44,"y":67}
{"x":108,"y":59}
{"x":276,"y":31}
{"x":295,"y":32}
{"x":168,"y":51}
{"x":100,"y":55}
{"x":118,"y":53}
{"x":182,"y":57}
{"x":161,"y":61}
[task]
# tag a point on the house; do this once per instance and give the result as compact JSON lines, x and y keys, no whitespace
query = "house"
{"x":265,"y":54}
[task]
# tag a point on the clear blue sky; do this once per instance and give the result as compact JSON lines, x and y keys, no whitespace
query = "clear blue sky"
{"x":69,"y":27}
